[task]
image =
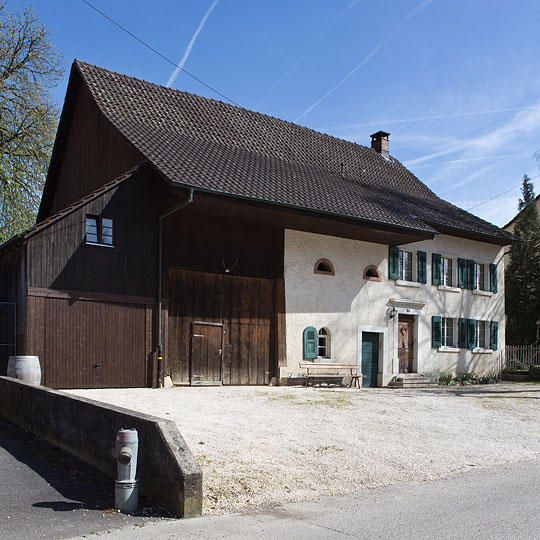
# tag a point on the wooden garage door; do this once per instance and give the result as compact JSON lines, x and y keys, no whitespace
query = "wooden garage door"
{"x":244,"y":305}
{"x":89,"y":344}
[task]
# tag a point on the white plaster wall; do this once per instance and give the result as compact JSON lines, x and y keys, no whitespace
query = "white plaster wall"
{"x":346,"y":302}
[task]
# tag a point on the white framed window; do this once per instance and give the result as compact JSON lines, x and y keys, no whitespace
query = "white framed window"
{"x":324,"y":343}
{"x":447,"y":332}
{"x":480,"y":334}
{"x":406,"y":265}
{"x":99,"y":231}
{"x":447,"y":272}
{"x":480,"y":277}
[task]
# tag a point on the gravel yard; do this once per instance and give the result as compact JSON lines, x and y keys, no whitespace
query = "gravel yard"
{"x":268,"y":445}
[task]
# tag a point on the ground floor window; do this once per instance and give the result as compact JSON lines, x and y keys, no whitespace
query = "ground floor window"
{"x":480,"y":335}
{"x":447,"y":338}
{"x":324,"y":343}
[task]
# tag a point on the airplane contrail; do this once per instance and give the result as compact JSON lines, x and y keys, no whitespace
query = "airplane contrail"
{"x":414,"y":12}
{"x":301,"y":59}
{"x":187,"y":52}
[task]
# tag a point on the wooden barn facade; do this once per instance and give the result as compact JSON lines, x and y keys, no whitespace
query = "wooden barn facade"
{"x":159,"y":245}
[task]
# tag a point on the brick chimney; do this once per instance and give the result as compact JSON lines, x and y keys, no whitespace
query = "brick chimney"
{"x":380,"y":143}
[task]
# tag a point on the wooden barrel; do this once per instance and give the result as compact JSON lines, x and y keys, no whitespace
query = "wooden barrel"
{"x":25,"y":368}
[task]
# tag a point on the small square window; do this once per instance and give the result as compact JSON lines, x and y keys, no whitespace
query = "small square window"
{"x":99,"y":230}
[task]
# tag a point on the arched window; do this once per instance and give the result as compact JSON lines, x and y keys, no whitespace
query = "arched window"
{"x":371,"y":273}
{"x":325,"y":267}
{"x":310,"y":343}
{"x":324,"y":343}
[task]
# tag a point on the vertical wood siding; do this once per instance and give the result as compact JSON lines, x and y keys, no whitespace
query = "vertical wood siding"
{"x":59,"y":257}
{"x":93,"y":154}
{"x":90,"y":344}
{"x":197,"y":240}
{"x":244,"y":305}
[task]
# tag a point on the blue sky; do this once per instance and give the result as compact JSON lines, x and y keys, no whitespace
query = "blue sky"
{"x":456,"y":83}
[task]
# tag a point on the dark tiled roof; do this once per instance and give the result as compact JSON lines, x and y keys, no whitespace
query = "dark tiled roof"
{"x":213,"y":146}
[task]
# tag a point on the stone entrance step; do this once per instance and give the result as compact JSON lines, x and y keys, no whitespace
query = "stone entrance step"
{"x":411,"y":380}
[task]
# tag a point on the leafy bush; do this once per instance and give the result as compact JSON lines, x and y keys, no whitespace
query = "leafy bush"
{"x":534,"y":372}
{"x":445,"y":379}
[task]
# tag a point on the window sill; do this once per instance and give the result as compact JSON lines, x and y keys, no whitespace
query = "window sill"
{"x":482,"y":293}
{"x":448,"y":349}
{"x":448,"y":289}
{"x":100,"y":245}
{"x":481,"y":351}
{"x":403,"y":283}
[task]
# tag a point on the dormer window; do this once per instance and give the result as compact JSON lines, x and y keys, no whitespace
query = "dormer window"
{"x":99,"y":231}
{"x":325,"y":267}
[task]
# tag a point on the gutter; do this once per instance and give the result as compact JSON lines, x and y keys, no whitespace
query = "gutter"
{"x":161,"y":218}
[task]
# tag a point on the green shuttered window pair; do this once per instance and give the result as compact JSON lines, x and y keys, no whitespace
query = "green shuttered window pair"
{"x":471,"y":334}
{"x":398,"y":271}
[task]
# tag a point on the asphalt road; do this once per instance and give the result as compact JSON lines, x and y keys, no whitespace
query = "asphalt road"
{"x":500,"y":503}
{"x":45,"y":493}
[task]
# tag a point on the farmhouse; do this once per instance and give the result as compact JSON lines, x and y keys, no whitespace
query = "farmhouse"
{"x":181,"y":236}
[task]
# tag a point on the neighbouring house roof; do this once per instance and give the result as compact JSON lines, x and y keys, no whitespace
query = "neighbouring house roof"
{"x":215,"y":147}
{"x":508,"y":226}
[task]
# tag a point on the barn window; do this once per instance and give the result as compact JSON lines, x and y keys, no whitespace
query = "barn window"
{"x":99,"y":231}
{"x":371,"y":273}
{"x":324,"y":343}
{"x":325,"y":267}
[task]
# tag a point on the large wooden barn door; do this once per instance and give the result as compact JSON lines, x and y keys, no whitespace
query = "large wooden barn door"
{"x":245,"y":308}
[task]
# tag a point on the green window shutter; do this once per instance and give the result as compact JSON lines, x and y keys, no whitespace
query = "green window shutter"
{"x":462,"y":333}
{"x":494,"y":335}
{"x":436,"y":331}
{"x":393,"y":262}
{"x":493,"y":278}
{"x":471,"y":333}
{"x":436,"y":269}
{"x":421,"y":259}
{"x":310,"y":342}
{"x":470,"y":274}
{"x":462,"y":273}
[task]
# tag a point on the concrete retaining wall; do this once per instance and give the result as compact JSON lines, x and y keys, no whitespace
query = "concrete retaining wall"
{"x":167,"y":471}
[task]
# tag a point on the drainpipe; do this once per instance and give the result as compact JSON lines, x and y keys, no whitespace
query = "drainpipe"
{"x":160,"y":282}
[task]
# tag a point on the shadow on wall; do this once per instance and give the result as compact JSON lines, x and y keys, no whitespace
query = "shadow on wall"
{"x":467,"y":362}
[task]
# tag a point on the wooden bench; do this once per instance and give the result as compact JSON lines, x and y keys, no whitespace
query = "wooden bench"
{"x":331,"y":370}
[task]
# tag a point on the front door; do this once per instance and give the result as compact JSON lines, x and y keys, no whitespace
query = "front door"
{"x":370,"y":358}
{"x":406,"y":343}
{"x":206,"y":353}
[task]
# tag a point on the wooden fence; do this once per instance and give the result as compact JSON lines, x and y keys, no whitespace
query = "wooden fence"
{"x":520,"y":356}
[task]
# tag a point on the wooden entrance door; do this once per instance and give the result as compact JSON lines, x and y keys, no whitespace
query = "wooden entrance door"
{"x":406,"y":343}
{"x":206,"y":353}
{"x":370,"y":358}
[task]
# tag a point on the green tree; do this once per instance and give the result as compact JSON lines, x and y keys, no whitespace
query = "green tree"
{"x":29,"y":67}
{"x":522,"y":278}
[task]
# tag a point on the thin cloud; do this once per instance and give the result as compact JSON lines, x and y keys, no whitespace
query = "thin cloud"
{"x":523,"y":122}
{"x":428,"y":118}
{"x":414,"y":12}
{"x":301,"y":59}
{"x":187,"y":52}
